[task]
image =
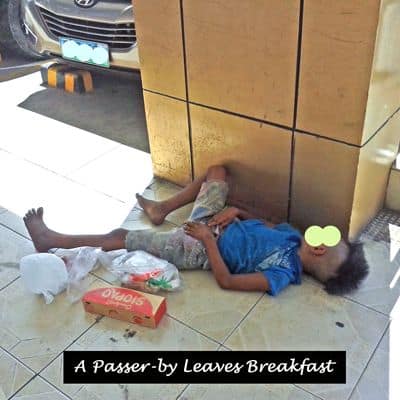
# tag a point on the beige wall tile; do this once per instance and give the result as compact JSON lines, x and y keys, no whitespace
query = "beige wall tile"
{"x":159,"y":31}
{"x":241,"y":56}
{"x":323,"y":182}
{"x":384,"y":90}
{"x":337,"y":51}
{"x":257,"y":156}
{"x":167,"y":124}
{"x":376,"y":159}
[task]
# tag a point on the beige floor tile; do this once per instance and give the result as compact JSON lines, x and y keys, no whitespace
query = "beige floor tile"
{"x":35,"y":332}
{"x":241,"y":391}
{"x":305,"y":318}
{"x":39,"y":389}
{"x":54,"y":145}
{"x":69,"y":206}
{"x":380,"y":290}
{"x":14,"y":222}
{"x":13,"y":374}
{"x":160,"y":184}
{"x":120,"y":173}
{"x":380,"y":379}
{"x":108,"y":334}
{"x":12,"y":248}
{"x":206,"y":307}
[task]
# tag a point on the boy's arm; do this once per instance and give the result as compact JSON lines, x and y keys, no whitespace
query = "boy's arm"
{"x":243,"y":214}
{"x":251,"y":282}
{"x":255,"y":281}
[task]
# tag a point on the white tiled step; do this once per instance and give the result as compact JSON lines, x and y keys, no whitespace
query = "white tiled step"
{"x":393,"y":190}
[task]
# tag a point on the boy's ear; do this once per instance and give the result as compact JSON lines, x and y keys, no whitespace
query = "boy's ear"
{"x":318,"y":250}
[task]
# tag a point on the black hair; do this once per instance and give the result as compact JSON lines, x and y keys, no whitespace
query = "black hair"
{"x":350,"y":273}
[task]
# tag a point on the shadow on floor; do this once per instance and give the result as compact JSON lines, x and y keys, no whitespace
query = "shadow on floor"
{"x":114,"y":110}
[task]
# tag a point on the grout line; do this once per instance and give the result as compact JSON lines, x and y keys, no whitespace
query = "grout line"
{"x":35,"y":374}
{"x":90,"y":161}
{"x":181,"y":393}
{"x":291,"y":169}
{"x":369,"y":361}
{"x":284,"y":127}
{"x":69,"y":345}
{"x":295,"y":107}
{"x":54,"y":386}
{"x":312,"y":282}
{"x":366,"y":306}
{"x":41,"y":377}
{"x":16,"y":232}
{"x":66,"y":177}
{"x":8,"y":284}
{"x":319,"y":136}
{"x":263,"y":121}
{"x":298,"y":64}
{"x":307,"y":391}
{"x":17,"y":359}
{"x":22,"y":387}
{"x":187,"y":89}
{"x":379,"y":128}
{"x":194,"y":329}
{"x":163,"y":94}
{"x":102,"y":279}
{"x":243,"y":318}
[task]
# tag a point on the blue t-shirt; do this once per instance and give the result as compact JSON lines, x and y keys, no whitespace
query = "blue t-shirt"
{"x":250,"y":246}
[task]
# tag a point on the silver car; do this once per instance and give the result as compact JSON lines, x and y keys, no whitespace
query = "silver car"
{"x":90,"y":31}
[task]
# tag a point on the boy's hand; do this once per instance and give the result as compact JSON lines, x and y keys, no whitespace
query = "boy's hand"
{"x":224,"y":217}
{"x":198,"y":231}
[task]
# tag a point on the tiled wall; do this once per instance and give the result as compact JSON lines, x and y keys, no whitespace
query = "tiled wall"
{"x":293,"y":96}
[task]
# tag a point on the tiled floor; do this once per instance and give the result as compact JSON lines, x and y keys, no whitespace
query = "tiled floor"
{"x":93,"y":191}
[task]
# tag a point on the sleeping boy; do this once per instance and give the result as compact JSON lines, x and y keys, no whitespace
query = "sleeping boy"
{"x":242,"y":251}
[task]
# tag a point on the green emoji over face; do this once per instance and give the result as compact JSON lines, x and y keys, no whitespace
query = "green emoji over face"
{"x":329,"y":236}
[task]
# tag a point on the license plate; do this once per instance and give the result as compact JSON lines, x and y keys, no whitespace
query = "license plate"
{"x":85,"y":51}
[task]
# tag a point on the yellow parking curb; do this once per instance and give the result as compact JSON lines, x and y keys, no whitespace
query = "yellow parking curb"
{"x":65,"y":77}
{"x":78,"y":81}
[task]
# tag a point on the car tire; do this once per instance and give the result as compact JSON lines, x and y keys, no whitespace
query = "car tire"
{"x":11,"y":31}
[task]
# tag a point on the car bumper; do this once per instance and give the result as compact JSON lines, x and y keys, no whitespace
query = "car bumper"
{"x":44,"y":42}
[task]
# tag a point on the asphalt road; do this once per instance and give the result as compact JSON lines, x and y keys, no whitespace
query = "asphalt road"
{"x":114,"y":109}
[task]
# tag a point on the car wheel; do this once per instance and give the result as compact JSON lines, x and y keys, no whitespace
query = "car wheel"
{"x":12,"y":32}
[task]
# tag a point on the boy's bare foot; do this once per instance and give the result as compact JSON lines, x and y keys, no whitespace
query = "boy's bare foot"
{"x":43,"y":238}
{"x":153,"y":209}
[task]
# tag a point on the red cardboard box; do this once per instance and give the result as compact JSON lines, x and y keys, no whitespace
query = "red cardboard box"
{"x":126,"y":304}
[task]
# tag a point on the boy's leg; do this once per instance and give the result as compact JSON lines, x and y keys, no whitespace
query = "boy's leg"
{"x":44,"y":238}
{"x":166,"y":245}
{"x":211,"y":198}
{"x":158,"y":210}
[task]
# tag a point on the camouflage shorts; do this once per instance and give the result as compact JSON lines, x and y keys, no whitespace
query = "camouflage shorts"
{"x":175,"y":246}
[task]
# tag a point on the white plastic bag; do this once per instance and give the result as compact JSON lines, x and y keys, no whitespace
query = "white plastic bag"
{"x":44,"y":273}
{"x":79,"y":261}
{"x":142,"y":271}
{"x":50,"y":274}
